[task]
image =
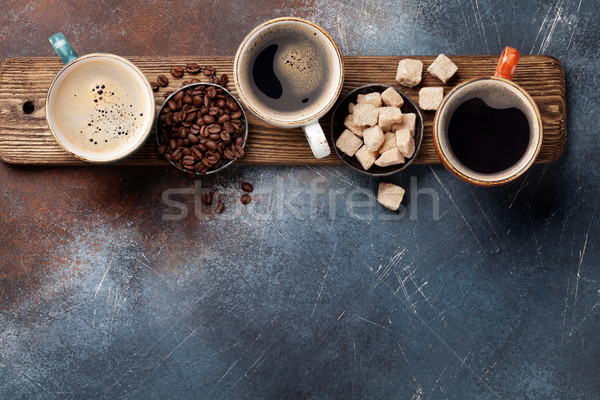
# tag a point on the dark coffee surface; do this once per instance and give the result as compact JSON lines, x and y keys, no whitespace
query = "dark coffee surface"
{"x":290,"y":70}
{"x":307,"y":292}
{"x":487,"y":139}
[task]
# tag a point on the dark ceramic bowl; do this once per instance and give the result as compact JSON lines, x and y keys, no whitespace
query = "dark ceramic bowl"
{"x":337,"y":127}
{"x":227,"y":93}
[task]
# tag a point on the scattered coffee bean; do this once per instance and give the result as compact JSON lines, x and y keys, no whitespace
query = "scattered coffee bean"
{"x":245,"y":199}
{"x":223,"y":80}
{"x":192,"y":68}
{"x":154,"y":86}
{"x":162,"y":80}
{"x":176,"y":71}
{"x":247,"y":187}
{"x":208,"y":70}
{"x":167,"y":94}
{"x":218,"y":206}
{"x":213,"y":79}
{"x":206,"y":198}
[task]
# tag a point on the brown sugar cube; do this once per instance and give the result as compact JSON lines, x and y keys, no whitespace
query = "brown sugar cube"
{"x":391,"y":98}
{"x":349,"y":123}
{"x":390,"y":196}
{"x":442,"y":68}
{"x":430,"y":98}
{"x":373,"y":98}
{"x":390,"y":157}
{"x":351,"y":107}
{"x":389,"y":116}
{"x":373,"y":138}
{"x":366,"y":157}
{"x":405,"y":142}
{"x":408,"y":122}
{"x":389,"y":142}
{"x":365,"y":115}
{"x":348,"y":143}
{"x":409,"y":72}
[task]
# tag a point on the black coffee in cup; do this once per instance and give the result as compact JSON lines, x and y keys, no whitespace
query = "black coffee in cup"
{"x":487,"y":139}
{"x":289,"y":69}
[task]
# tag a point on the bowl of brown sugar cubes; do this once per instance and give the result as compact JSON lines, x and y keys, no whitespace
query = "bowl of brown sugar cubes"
{"x":377,"y":130}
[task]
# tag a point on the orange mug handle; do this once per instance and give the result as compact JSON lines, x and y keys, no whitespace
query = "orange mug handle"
{"x":508,"y":63}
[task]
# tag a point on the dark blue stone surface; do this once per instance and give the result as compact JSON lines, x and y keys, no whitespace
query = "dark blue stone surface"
{"x":313,"y":291}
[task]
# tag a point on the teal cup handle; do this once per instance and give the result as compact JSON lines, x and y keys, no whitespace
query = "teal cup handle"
{"x":62,"y":47}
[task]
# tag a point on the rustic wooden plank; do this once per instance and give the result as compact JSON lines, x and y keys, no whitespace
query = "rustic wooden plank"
{"x":25,"y":138}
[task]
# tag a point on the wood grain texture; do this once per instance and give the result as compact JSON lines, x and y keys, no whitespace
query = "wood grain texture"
{"x":25,"y":138}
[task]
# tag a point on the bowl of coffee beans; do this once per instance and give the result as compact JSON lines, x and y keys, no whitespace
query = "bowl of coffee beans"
{"x":201,"y":129}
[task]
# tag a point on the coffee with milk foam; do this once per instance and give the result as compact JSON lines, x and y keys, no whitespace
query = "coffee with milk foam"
{"x":100,"y":108}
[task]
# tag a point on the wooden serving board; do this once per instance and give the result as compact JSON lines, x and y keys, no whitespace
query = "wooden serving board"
{"x":25,"y":138}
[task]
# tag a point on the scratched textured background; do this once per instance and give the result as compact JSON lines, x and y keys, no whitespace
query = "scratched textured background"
{"x":312,"y":291}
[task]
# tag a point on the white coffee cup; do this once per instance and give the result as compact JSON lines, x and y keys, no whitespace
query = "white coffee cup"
{"x":308,"y":66}
{"x":99,"y":107}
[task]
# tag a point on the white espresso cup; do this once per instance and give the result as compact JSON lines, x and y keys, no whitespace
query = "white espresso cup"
{"x":99,"y":107}
{"x":289,"y":73}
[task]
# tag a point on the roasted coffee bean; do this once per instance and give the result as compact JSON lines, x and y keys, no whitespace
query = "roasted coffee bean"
{"x":192,"y":138}
{"x":223,"y":118}
{"x":228,"y":154}
{"x":245,"y":199}
{"x":213,"y":79}
{"x":173,"y":144}
{"x":178,"y":96}
{"x":206,"y":197}
{"x":236,"y":115}
{"x":214,"y":136}
{"x":192,"y":68}
{"x":208,"y":70}
{"x":190,"y":117}
{"x":238,"y":151}
{"x":189,"y":160}
{"x":208,"y":119}
{"x":197,"y":101}
{"x":154,"y":86}
{"x":211,"y":92}
{"x":167,"y":94}
{"x":225,"y":136}
{"x":218,"y":206}
{"x":172,"y":105}
{"x":214,"y":129}
{"x":228,"y":127}
{"x":197,"y":153}
{"x":223,"y":80}
{"x":176,"y":71}
{"x":162,"y":149}
{"x":162,"y":80}
{"x":247,"y":187}
{"x":177,"y":154}
{"x":232,"y":105}
{"x":195,"y":80}
{"x":211,"y":145}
